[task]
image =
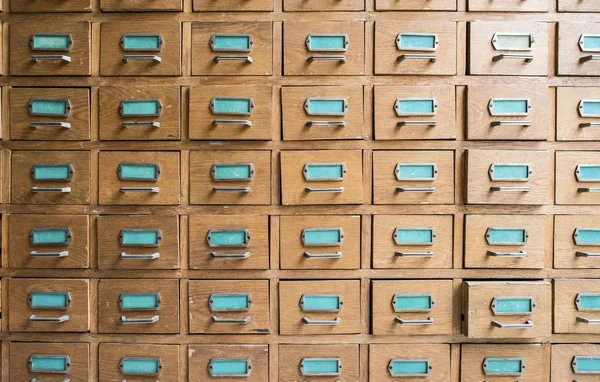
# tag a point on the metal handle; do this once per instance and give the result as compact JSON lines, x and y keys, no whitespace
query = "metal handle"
{"x":341,"y":59}
{"x":154,"y":190}
{"x":527,"y":325}
{"x":324,"y":189}
{"x":232,"y":189}
{"x":510,"y":189}
{"x":326,"y":123}
{"x":248,"y":59}
{"x":243,"y":255}
{"x":241,"y":321}
{"x":430,"y":57}
{"x":140,"y":124}
{"x":333,"y":322}
{"x":144,"y":57}
{"x":588,"y":321}
{"x":150,"y":320}
{"x":526,"y":57}
{"x":588,"y":189}
{"x":337,"y":255}
{"x":507,"y":254}
{"x":591,"y":57}
{"x":415,"y":189}
{"x":586,"y":254}
{"x":52,"y":57}
{"x":146,"y":256}
{"x":34,"y":318}
{"x":49,"y":254}
{"x":243,"y":122}
{"x":402,"y":321}
{"x":414,"y":254}
{"x":417,"y":123}
{"x":64,"y":190}
{"x":589,"y":124}
{"x":64,"y":125}
{"x":68,"y":380}
{"x":511,"y":123}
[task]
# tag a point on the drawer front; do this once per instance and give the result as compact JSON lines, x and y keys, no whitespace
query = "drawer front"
{"x":229,"y":363}
{"x":413,"y":177}
{"x":505,"y":241}
{"x":508,"y":177}
{"x":233,"y":5}
{"x":145,"y":113}
{"x":138,"y":242}
{"x":136,"y":177}
{"x":157,"y":52}
{"x":507,"y":309}
{"x":577,"y":177}
{"x":139,"y":362}
{"x":578,"y":113}
{"x":321,"y":362}
{"x":415,"y":48}
{"x":415,"y":112}
{"x":138,"y":306}
{"x":232,"y":49}
{"x":497,"y":113}
{"x":578,"y":6}
{"x":231,"y":112}
{"x":319,"y":307}
{"x":322,"y":112}
{"x":426,"y":362}
{"x":576,"y":241}
{"x":498,"y":52}
{"x":330,"y":48}
{"x":24,"y":6}
{"x":585,"y":358}
{"x":329,"y":5}
{"x":576,"y":306}
{"x":321,"y":177}
{"x":49,"y":114}
{"x":415,"y":5}
{"x":319,"y":242}
{"x":578,"y":51}
{"x":49,"y":305}
{"x":230,"y":177}
{"x":501,"y":362}
{"x":508,"y":6}
{"x":412,"y":307}
{"x":52,"y":362}
{"x":229,"y":307}
{"x":136,"y":5}
{"x":50,"y":49}
{"x":48,"y":241}
{"x":229,"y":242}
{"x":50,"y":177}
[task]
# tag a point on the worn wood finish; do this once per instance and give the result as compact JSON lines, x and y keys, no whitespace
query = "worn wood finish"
{"x":78,"y":356}
{"x":473,"y":358}
{"x":140,"y":5}
{"x":110,"y":356}
{"x":21,"y":6}
{"x":508,"y":6}
{"x":566,"y":312}
{"x":569,"y":119}
{"x":329,"y":5}
{"x":415,"y":5}
{"x":570,"y":53}
{"x":291,"y":356}
{"x":233,"y":5}
{"x":565,"y":246}
{"x":568,"y":186}
{"x":199,"y":357}
{"x":562,"y":357}
{"x":437,"y":354}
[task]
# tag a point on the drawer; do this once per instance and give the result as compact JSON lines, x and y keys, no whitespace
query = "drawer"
{"x":233,"y":5}
{"x":395,"y":362}
{"x":52,"y":362}
{"x":138,"y":306}
{"x":319,"y":242}
{"x":49,"y":305}
{"x":415,"y":48}
{"x":415,"y":112}
{"x":319,"y":307}
{"x":330,"y":48}
{"x":578,"y":6}
{"x":231,"y":112}
{"x":576,"y":241}
{"x":139,"y":113}
{"x":577,"y":177}
{"x":140,"y":49}
{"x":230,"y":177}
{"x":505,"y":241}
{"x":50,"y":114}
{"x":578,"y":49}
{"x":576,"y":306}
{"x":229,"y":242}
{"x":412,"y":241}
{"x":321,"y":177}
{"x":232,"y":49}
{"x":495,"y":363}
{"x":575,"y":362}
{"x":321,"y":362}
{"x":508,"y":6}
{"x":137,"y":5}
{"x":508,"y":177}
{"x":48,"y":241}
{"x":317,"y":6}
{"x":50,"y":49}
{"x":229,"y":307}
{"x":138,"y":362}
{"x":508,"y":48}
{"x":50,"y":177}
{"x":413,"y":177}
{"x":415,"y":5}
{"x":495,"y":113}
{"x":138,"y":242}
{"x":579,"y":113}
{"x":229,"y":362}
{"x":417,"y":307}
{"x":139,"y":177}
{"x":507,"y":309}
{"x":322,"y":112}
{"x":25,"y":6}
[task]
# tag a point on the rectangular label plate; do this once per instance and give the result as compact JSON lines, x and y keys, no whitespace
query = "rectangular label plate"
{"x":320,"y":367}
{"x":510,"y":107}
{"x":513,"y":305}
{"x":140,"y":237}
{"x":230,"y":238}
{"x":412,"y":302}
{"x":510,"y":172}
{"x":415,"y":107}
{"x":513,"y":41}
{"x":139,"y":301}
{"x":321,"y":302}
{"x":49,"y":300}
{"x":327,"y":42}
{"x":587,"y":236}
{"x":231,"y":105}
{"x":503,"y":366}
{"x":232,"y":172}
{"x":229,"y":367}
{"x":322,"y":237}
{"x":403,"y":367}
{"x":315,"y":172}
{"x":231,"y":42}
{"x":414,"y":235}
{"x":587,"y":302}
{"x":589,"y":42}
{"x":50,"y":236}
{"x":46,"y":107}
{"x":417,"y":41}
{"x":141,"y":42}
{"x":326,"y":106}
{"x":230,"y":302}
{"x":51,"y":41}
{"x":588,"y":172}
{"x":586,"y":364}
{"x":140,"y":366}
{"x":140,"y":108}
{"x":589,"y":108}
{"x":416,"y":171}
{"x":52,"y":172}
{"x":148,"y":172}
{"x":506,"y":236}
{"x":49,"y":363}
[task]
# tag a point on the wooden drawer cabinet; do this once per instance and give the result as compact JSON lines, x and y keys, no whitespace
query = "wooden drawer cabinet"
{"x":578,"y":6}
{"x":576,"y":241}
{"x":140,"y":5}
{"x":578,"y":113}
{"x":495,"y":363}
{"x":578,"y":49}
{"x":229,"y":362}
{"x":576,"y":306}
{"x":414,"y":362}
{"x":415,"y":5}
{"x":319,"y":6}
{"x":232,"y":5}
{"x":321,"y":362}
{"x":25,"y":6}
{"x":49,"y":305}
{"x":508,"y":6}
{"x":577,"y":177}
{"x":52,"y":362}
{"x":575,"y":362}
{"x":138,"y":362}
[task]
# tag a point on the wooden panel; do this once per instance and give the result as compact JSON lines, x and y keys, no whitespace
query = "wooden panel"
{"x":569,"y":189}
{"x":562,"y":358}
{"x":570,"y":121}
{"x":79,"y":362}
{"x":571,"y":56}
{"x":199,"y":357}
{"x":415,"y":5}
{"x":473,"y":356}
{"x":508,"y":6}
{"x":565,"y":246}
{"x":140,"y":5}
{"x":330,"y":5}
{"x":111,"y":355}
{"x":25,"y":6}
{"x":437,"y":354}
{"x":233,"y":5}
{"x":568,"y":317}
{"x":291,"y":356}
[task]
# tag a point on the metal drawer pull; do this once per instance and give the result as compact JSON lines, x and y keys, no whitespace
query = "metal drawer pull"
{"x":326,"y":123}
{"x":337,"y":255}
{"x":49,"y":254}
{"x":140,"y":124}
{"x":510,"y":189}
{"x":241,"y":321}
{"x":325,"y":189}
{"x":143,"y":57}
{"x":334,"y":322}
{"x":588,"y":321}
{"x":415,"y":189}
{"x":414,"y":254}
{"x":232,"y":189}
{"x":402,"y":321}
{"x":591,"y":57}
{"x":526,"y":57}
{"x":64,"y":190}
{"x":64,"y":125}
{"x":588,"y":189}
{"x":244,"y":255}
{"x":589,"y":124}
{"x":148,"y":256}
{"x":341,"y":59}
{"x":247,"y":59}
{"x":34,"y":318}
{"x":507,"y":254}
{"x":586,"y":254}
{"x":52,"y":57}
{"x":150,"y":320}
{"x":154,"y":190}
{"x":64,"y":380}
{"x":243,"y":122}
{"x":511,"y":123}
{"x":527,"y":325}
{"x":430,"y":57}
{"x":417,"y":123}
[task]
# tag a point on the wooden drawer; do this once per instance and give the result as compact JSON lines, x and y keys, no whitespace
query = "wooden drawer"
{"x":317,"y":6}
{"x":330,"y":48}
{"x":577,"y":177}
{"x":322,"y":112}
{"x":321,"y":177}
{"x":138,"y":362}
{"x":229,"y":362}
{"x":25,"y":6}
{"x":499,"y":52}
{"x":576,"y":241}
{"x":508,"y":6}
{"x":233,"y":5}
{"x":140,"y":49}
{"x":50,"y":177}
{"x":578,"y":6}
{"x":508,"y":177}
{"x":137,"y":5}
{"x":49,"y":305}
{"x":415,"y":5}
{"x":138,"y":306}
{"x":415,"y":48}
{"x":232,"y":49}
{"x":52,"y":362}
{"x":505,"y":241}
{"x":231,"y":112}
{"x":229,"y":242}
{"x":229,"y":307}
{"x":578,"y":113}
{"x":144,"y":113}
{"x":319,"y":307}
{"x":497,"y":113}
{"x":138,"y":242}
{"x":412,"y":241}
{"x":578,"y":55}
{"x":50,"y":114}
{"x":565,"y":360}
{"x":319,"y":242}
{"x":413,"y":177}
{"x":50,"y":49}
{"x":48,"y":241}
{"x":495,"y":363}
{"x":321,"y":362}
{"x":139,"y":177}
{"x":507,"y":309}
{"x":576,"y":307}
{"x":426,"y":362}
{"x":230,"y":177}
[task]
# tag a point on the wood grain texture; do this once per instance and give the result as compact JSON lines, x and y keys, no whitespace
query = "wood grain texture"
{"x":111,"y":354}
{"x":140,"y":5}
{"x":565,"y":247}
{"x":473,"y":357}
{"x":318,"y":6}
{"x":577,"y":6}
{"x":562,"y":357}
{"x":199,"y":357}
{"x":291,"y":356}
{"x":23,"y":6}
{"x":567,"y":185}
{"x":569,"y":52}
{"x":415,"y":5}
{"x":568,"y":118}
{"x":232,"y":5}
{"x":78,"y":357}
{"x":565,"y":306}
{"x":437,"y":354}
{"x":508,"y":6}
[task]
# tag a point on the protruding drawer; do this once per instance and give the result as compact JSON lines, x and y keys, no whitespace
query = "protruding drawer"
{"x":137,"y":6}
{"x":575,"y":362}
{"x":36,"y":361}
{"x":318,"y":362}
{"x":138,"y":362}
{"x":229,"y":362}
{"x":577,"y":177}
{"x":578,"y":113}
{"x":577,"y":306}
{"x":578,"y":48}
{"x":523,"y":362}
{"x":414,"y":362}
{"x":576,"y":241}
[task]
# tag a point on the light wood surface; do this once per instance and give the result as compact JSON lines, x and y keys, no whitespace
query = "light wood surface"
{"x":562,"y":358}
{"x":567,"y":185}
{"x":570,"y":51}
{"x":569,"y":118}
{"x":566,"y":312}
{"x":291,"y":356}
{"x":437,"y":354}
{"x":565,"y":247}
{"x":473,"y":358}
{"x":199,"y":357}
